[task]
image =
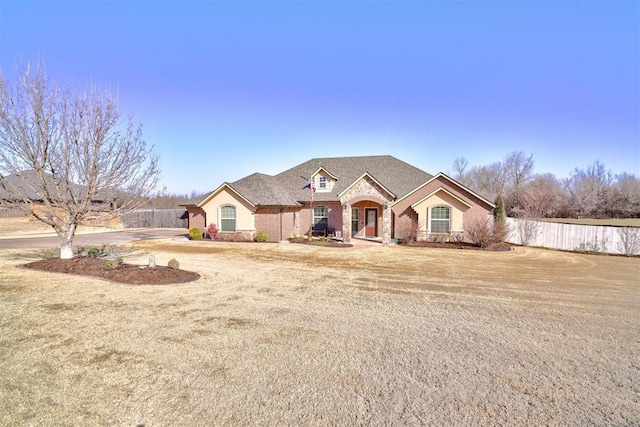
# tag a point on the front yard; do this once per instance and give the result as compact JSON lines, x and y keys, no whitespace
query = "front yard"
{"x":278,"y":334}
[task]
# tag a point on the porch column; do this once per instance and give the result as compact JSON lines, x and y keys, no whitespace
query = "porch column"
{"x":386,"y":223}
{"x":346,"y":222}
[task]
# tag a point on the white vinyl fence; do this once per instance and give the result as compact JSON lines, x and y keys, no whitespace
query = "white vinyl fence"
{"x":574,"y":237}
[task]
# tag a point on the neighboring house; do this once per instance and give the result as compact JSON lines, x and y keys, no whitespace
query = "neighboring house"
{"x":377,"y":197}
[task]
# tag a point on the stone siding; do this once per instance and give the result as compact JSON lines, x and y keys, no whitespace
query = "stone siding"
{"x":366,"y":193}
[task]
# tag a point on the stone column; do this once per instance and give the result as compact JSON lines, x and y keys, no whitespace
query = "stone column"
{"x":346,"y":222}
{"x":386,"y":223}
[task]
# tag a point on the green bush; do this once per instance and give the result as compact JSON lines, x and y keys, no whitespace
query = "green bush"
{"x":195,"y":233}
{"x":94,"y":253}
{"x":261,"y":236}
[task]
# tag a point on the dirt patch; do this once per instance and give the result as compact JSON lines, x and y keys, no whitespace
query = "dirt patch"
{"x":125,"y":273}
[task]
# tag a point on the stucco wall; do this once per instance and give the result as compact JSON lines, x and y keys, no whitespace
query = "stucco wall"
{"x":403,"y":212}
{"x":457,"y":211}
{"x":244,"y":211}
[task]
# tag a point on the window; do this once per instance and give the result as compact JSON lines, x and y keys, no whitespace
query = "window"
{"x":355,"y":219}
{"x":440,"y":219}
{"x":320,"y":215}
{"x":322,"y":183}
{"x":228,"y":218}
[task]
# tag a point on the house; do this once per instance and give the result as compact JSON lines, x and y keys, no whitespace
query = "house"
{"x":376,"y":197}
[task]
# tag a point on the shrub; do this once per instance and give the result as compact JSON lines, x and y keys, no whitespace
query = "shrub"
{"x":173,"y":264}
{"x":498,"y":211}
{"x":94,"y":252}
{"x":212,"y":232}
{"x":457,"y":236}
{"x":484,"y":232}
{"x":115,"y":262}
{"x":407,"y":231}
{"x":260,"y":236}
{"x":195,"y":233}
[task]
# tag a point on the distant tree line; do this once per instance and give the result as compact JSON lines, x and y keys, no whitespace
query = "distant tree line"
{"x":166,"y":200}
{"x":591,"y":192}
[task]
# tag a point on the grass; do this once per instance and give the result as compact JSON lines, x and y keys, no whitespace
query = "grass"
{"x":297,"y":334}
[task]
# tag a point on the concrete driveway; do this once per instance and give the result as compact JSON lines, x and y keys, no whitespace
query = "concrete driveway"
{"x":116,"y":237}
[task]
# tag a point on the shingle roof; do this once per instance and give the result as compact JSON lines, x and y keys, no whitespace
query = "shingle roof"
{"x":397,"y":176}
{"x":288,"y":188}
{"x":263,"y":190}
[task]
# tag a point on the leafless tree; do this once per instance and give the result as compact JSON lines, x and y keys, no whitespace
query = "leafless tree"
{"x":69,"y":156}
{"x":626,"y":201}
{"x":460,"y":165}
{"x":487,"y":180}
{"x":518,"y":170}
{"x":542,"y":197}
{"x":590,"y":190}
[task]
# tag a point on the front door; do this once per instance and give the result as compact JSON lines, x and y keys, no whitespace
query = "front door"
{"x":371,"y":225}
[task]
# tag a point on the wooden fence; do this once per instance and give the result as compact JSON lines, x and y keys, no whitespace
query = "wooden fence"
{"x":574,"y":237}
{"x":155,"y":218}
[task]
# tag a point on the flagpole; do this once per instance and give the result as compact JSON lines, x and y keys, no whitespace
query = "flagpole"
{"x":311,"y":207}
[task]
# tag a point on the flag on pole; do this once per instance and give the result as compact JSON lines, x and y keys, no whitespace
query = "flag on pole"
{"x":313,"y":190}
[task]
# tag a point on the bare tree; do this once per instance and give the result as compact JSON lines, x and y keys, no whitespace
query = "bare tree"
{"x":590,"y":189}
{"x":487,"y":180}
{"x":542,"y":197}
{"x":460,"y":165}
{"x":626,"y":199}
{"x":518,"y":169}
{"x":69,"y":156}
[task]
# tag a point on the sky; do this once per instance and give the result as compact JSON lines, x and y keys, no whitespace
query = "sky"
{"x":227,"y":88}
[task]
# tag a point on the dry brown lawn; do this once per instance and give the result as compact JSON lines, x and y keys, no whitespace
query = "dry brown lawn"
{"x":277,"y":334}
{"x":29,"y":226}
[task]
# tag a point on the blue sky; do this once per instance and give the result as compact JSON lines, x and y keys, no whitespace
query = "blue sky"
{"x":228,"y":88}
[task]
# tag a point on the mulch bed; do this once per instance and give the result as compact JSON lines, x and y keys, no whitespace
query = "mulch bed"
{"x":462,"y":245}
{"x":125,"y":273}
{"x":326,"y":244}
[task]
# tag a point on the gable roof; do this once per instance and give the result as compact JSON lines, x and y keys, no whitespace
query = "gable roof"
{"x":225,"y":185}
{"x":291,"y":187}
{"x":325,"y":171}
{"x":367,"y":175}
{"x":396,"y":176}
{"x":448,"y":178}
{"x":444,"y":190}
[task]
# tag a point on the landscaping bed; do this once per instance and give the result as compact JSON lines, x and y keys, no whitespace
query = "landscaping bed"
{"x":319,"y":242}
{"x":124,"y":273}
{"x":462,"y":245}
